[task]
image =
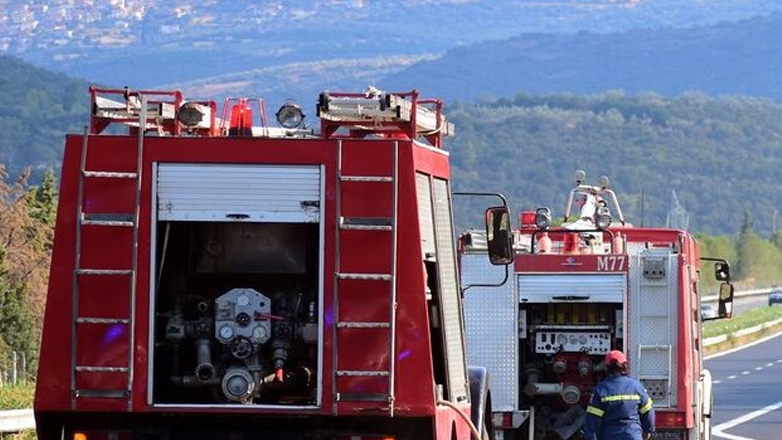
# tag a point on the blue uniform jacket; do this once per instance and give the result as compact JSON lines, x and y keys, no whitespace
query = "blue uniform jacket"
{"x":620,"y":410}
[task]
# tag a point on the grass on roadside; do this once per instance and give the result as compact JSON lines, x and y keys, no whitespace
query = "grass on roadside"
{"x":16,"y":397}
{"x":745,"y":320}
{"x":24,"y":435}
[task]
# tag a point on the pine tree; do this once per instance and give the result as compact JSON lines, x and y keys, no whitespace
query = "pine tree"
{"x":42,"y":206}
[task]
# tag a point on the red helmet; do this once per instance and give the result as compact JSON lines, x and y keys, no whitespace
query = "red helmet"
{"x":615,"y":356}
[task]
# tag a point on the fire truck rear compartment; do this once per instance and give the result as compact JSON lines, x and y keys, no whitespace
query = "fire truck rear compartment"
{"x":236,"y":313}
{"x":562,"y":350}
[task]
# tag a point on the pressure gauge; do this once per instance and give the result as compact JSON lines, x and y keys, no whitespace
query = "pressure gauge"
{"x":582,"y":340}
{"x":561,"y":339}
{"x":226,"y":332}
{"x":260,"y":334}
{"x":573,"y":340}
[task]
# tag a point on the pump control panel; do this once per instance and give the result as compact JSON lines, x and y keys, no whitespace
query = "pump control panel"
{"x":574,"y":342}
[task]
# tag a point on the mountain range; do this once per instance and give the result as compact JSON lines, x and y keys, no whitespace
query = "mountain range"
{"x":318,"y":43}
{"x":726,"y":58}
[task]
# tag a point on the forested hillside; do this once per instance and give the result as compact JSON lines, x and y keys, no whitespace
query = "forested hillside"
{"x":37,"y":109}
{"x":722,"y":156}
{"x":727,"y":58}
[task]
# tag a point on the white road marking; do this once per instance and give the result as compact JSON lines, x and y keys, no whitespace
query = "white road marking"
{"x":721,"y":434}
{"x":758,"y":368}
{"x":751,"y":344}
{"x":716,"y":381}
{"x":744,"y":373}
{"x":718,"y":431}
{"x":732,"y":376}
{"x":770,"y":364}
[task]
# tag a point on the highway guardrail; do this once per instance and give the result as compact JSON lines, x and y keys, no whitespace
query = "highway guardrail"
{"x":742,"y":332}
{"x":741,"y":294}
{"x":16,"y":420}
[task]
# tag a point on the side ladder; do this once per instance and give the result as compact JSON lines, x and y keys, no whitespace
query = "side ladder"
{"x":378,"y":228}
{"x":81,"y":273}
{"x":655,"y":318}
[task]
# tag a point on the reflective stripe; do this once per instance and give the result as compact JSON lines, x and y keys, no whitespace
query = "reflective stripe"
{"x":618,"y":397}
{"x":596,"y":411}
{"x":646,"y":408}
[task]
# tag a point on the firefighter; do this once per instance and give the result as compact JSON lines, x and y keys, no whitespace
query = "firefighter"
{"x":620,"y":408}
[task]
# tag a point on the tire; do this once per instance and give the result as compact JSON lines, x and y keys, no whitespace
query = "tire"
{"x":480,"y":397}
{"x":488,"y":423}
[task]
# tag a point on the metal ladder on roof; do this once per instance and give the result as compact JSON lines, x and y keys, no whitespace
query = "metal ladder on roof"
{"x":97,"y":220}
{"x":377,"y":225}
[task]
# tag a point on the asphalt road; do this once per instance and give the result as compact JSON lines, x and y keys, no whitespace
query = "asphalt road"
{"x":742,"y":305}
{"x":748,"y":392}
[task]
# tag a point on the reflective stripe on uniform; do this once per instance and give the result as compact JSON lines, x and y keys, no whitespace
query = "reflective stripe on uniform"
{"x":618,"y":397}
{"x":596,"y":411}
{"x":646,"y":408}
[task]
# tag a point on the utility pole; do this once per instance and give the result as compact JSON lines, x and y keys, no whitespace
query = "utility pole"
{"x":643,"y":196}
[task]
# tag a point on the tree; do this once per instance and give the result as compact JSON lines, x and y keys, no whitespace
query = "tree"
{"x":26,"y":231}
{"x":18,"y":327}
{"x":43,"y":199}
{"x":715,"y":247}
{"x":759,"y":261}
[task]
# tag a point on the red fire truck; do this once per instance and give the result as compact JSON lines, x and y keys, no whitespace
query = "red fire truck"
{"x":216,"y":277}
{"x":577,"y":291}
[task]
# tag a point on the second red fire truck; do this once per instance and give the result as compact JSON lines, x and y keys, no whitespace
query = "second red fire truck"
{"x":575,"y":292}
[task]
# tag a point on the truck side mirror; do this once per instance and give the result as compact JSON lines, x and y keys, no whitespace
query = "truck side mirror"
{"x":722,"y":271}
{"x":725,"y":308}
{"x":499,"y":237}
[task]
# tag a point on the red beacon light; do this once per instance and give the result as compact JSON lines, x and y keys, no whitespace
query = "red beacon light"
{"x":241,"y":119}
{"x":527,"y":219}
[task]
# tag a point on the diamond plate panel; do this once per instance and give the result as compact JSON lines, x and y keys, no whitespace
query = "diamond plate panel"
{"x":654,"y":361}
{"x":491,"y":324}
{"x":655,"y":331}
{"x":657,"y":389}
{"x":656,"y":302}
{"x":653,"y":320}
